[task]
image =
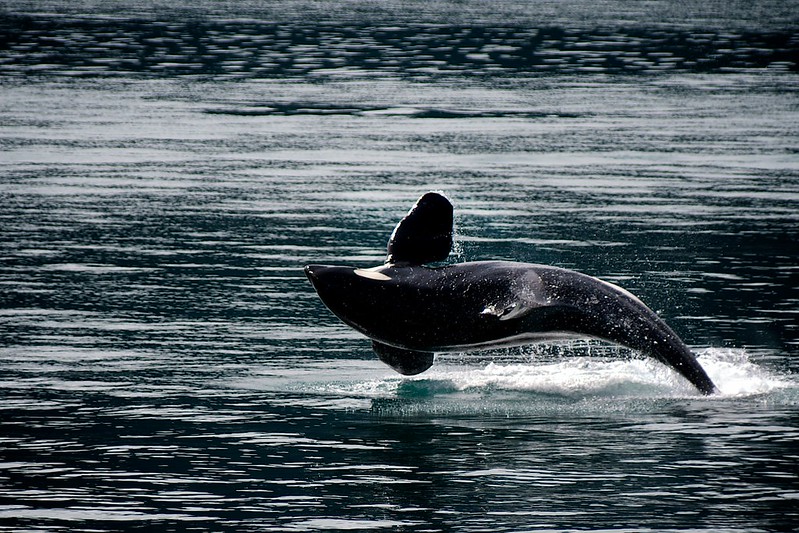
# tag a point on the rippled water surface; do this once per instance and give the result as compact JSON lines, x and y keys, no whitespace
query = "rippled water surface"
{"x":167,"y":171}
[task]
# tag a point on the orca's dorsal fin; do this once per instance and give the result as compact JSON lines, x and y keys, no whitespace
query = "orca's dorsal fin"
{"x":425,"y":234}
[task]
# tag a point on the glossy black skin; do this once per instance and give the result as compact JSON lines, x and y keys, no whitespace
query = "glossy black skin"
{"x":479,"y":305}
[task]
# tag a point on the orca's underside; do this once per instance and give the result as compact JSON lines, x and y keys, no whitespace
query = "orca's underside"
{"x":411,"y":311}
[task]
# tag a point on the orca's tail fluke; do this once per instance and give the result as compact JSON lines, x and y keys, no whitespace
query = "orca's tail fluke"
{"x":658,"y":340}
{"x":611,"y":313}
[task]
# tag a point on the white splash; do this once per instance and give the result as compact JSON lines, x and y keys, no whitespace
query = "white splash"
{"x":530,"y":380}
{"x":736,"y":375}
{"x":731,"y":370}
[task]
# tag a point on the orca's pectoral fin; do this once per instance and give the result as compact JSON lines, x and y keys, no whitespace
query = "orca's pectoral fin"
{"x":406,"y":362}
{"x":425,"y":234}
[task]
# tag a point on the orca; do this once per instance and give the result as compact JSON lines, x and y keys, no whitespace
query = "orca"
{"x":410,"y":309}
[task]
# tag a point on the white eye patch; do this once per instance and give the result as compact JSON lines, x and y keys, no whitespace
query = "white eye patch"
{"x":371,"y":274}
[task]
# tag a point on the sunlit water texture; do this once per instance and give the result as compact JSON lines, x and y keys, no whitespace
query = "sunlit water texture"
{"x":168,"y":168}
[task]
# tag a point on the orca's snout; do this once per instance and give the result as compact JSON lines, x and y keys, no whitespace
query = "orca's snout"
{"x":321,"y":274}
{"x":333,"y":284}
{"x":315,"y":272}
{"x":310,"y":272}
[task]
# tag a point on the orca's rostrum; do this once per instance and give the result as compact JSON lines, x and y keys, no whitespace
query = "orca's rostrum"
{"x":410,"y":311}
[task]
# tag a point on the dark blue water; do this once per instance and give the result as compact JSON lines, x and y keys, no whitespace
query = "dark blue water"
{"x":167,"y":170}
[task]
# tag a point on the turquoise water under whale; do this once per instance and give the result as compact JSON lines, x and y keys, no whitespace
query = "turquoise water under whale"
{"x":167,"y":169}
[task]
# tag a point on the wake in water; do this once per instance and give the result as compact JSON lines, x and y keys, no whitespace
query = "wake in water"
{"x":732,"y":370}
{"x":541,"y":378}
{"x":575,"y":378}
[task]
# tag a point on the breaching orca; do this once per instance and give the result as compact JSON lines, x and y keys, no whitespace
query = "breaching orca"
{"x":410,"y":311}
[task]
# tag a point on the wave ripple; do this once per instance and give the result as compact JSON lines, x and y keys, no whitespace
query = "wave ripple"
{"x":41,"y":44}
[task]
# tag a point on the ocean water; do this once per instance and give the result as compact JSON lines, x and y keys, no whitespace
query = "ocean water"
{"x":167,"y":169}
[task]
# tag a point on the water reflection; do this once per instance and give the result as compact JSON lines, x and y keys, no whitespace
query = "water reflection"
{"x":41,"y":45}
{"x":165,"y":365}
{"x":208,"y":462}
